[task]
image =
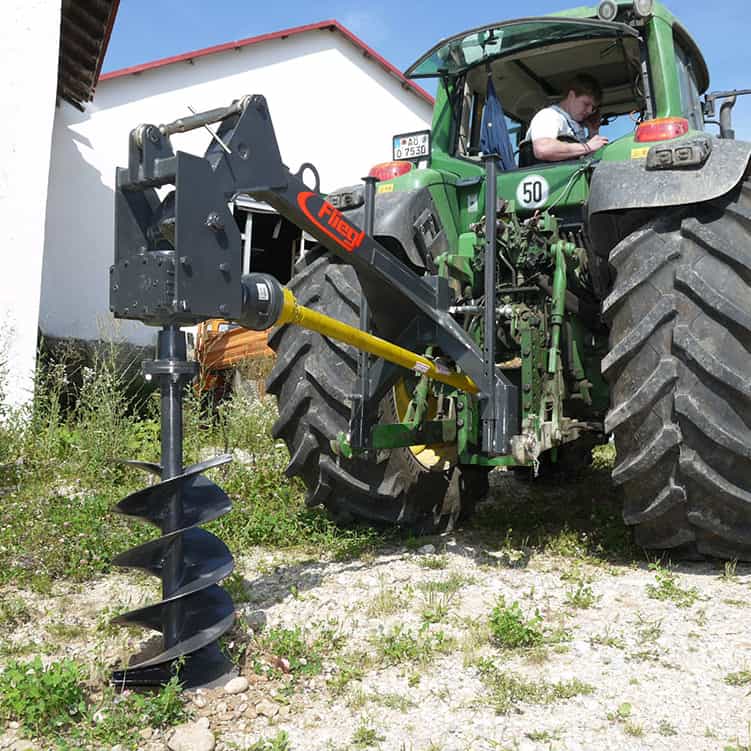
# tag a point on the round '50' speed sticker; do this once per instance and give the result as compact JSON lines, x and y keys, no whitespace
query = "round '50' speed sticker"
{"x":532,"y":192}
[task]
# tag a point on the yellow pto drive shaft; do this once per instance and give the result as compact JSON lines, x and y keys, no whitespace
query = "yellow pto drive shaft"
{"x":266,"y":303}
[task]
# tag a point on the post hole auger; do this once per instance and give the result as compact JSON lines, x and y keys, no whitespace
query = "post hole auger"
{"x":178,"y":261}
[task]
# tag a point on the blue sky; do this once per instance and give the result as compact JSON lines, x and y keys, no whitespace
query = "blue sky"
{"x":146,"y":30}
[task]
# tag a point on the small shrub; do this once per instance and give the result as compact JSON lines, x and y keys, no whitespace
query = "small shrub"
{"x":42,"y":698}
{"x":435,"y":562}
{"x":510,"y":629}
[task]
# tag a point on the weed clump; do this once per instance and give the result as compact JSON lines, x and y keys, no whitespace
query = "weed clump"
{"x":667,"y":588}
{"x":509,"y":627}
{"x":400,"y":645}
{"x":508,"y":690}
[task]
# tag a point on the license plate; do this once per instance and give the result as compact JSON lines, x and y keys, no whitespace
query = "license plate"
{"x":412,"y":146}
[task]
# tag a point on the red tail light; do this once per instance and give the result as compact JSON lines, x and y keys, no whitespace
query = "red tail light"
{"x":661,"y":129}
{"x":390,"y":170}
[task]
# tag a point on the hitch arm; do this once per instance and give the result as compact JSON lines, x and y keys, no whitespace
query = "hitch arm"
{"x":269,"y":304}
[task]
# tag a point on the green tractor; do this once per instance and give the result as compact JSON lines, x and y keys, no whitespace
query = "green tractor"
{"x":610,"y":291}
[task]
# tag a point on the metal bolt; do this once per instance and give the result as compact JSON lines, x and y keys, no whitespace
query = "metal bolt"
{"x":527,"y":387}
{"x":526,"y":353}
{"x":184,"y":260}
{"x":460,"y":423}
{"x":459,"y":406}
{"x":223,"y":309}
{"x":184,"y":305}
{"x":115,"y":287}
{"x":224,"y":267}
{"x":214,"y":222}
{"x":152,"y":134}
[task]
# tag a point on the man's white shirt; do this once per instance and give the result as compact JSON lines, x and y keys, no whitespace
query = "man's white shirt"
{"x":553,"y":122}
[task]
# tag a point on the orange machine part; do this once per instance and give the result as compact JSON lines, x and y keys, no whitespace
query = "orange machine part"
{"x":221,"y":345}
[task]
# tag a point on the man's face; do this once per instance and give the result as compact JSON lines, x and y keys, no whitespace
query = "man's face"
{"x":581,"y":107}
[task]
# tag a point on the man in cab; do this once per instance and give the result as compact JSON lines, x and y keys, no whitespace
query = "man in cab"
{"x":569,"y":129}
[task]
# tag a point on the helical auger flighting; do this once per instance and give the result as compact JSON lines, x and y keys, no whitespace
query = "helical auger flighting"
{"x":194,"y":610}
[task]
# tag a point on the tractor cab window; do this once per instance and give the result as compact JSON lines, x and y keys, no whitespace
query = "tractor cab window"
{"x":687,"y":79}
{"x":528,"y":80}
{"x":528,"y":61}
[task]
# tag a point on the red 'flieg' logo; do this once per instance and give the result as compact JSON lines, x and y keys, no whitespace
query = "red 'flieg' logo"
{"x":332,"y":222}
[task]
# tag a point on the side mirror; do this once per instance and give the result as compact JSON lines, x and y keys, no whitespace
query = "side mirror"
{"x":726,"y":110}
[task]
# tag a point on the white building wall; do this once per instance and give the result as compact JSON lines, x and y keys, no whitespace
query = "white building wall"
{"x":330,"y":105}
{"x":29,"y":41}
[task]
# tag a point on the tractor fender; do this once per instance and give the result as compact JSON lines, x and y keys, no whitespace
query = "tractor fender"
{"x":630,"y":185}
{"x":408,"y":217}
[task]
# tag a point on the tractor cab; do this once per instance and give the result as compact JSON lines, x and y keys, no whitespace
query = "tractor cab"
{"x":500,"y":75}
{"x":524,"y":65}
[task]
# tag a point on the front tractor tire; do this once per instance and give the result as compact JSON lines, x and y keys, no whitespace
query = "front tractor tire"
{"x":680,"y":314}
{"x":313,"y":380}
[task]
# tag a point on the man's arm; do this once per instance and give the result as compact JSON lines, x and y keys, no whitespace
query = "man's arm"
{"x":553,"y":150}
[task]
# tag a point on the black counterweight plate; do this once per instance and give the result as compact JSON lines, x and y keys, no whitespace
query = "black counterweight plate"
{"x":206,"y":559}
{"x":206,"y":615}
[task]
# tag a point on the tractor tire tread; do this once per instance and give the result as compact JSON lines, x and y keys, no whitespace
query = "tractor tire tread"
{"x":680,"y":316}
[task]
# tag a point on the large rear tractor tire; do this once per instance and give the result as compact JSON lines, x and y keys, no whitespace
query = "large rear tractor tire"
{"x":421,"y":489}
{"x":679,"y":368}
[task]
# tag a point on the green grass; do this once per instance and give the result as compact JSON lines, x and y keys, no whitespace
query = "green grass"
{"x":53,"y":702}
{"x":437,"y":596}
{"x":13,"y":611}
{"x":506,"y":691}
{"x":303,"y":651}
{"x":741,"y":678}
{"x":42,"y":698}
{"x":61,"y":482}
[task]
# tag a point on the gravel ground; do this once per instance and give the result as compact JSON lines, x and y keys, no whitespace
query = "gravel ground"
{"x":643,"y":673}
